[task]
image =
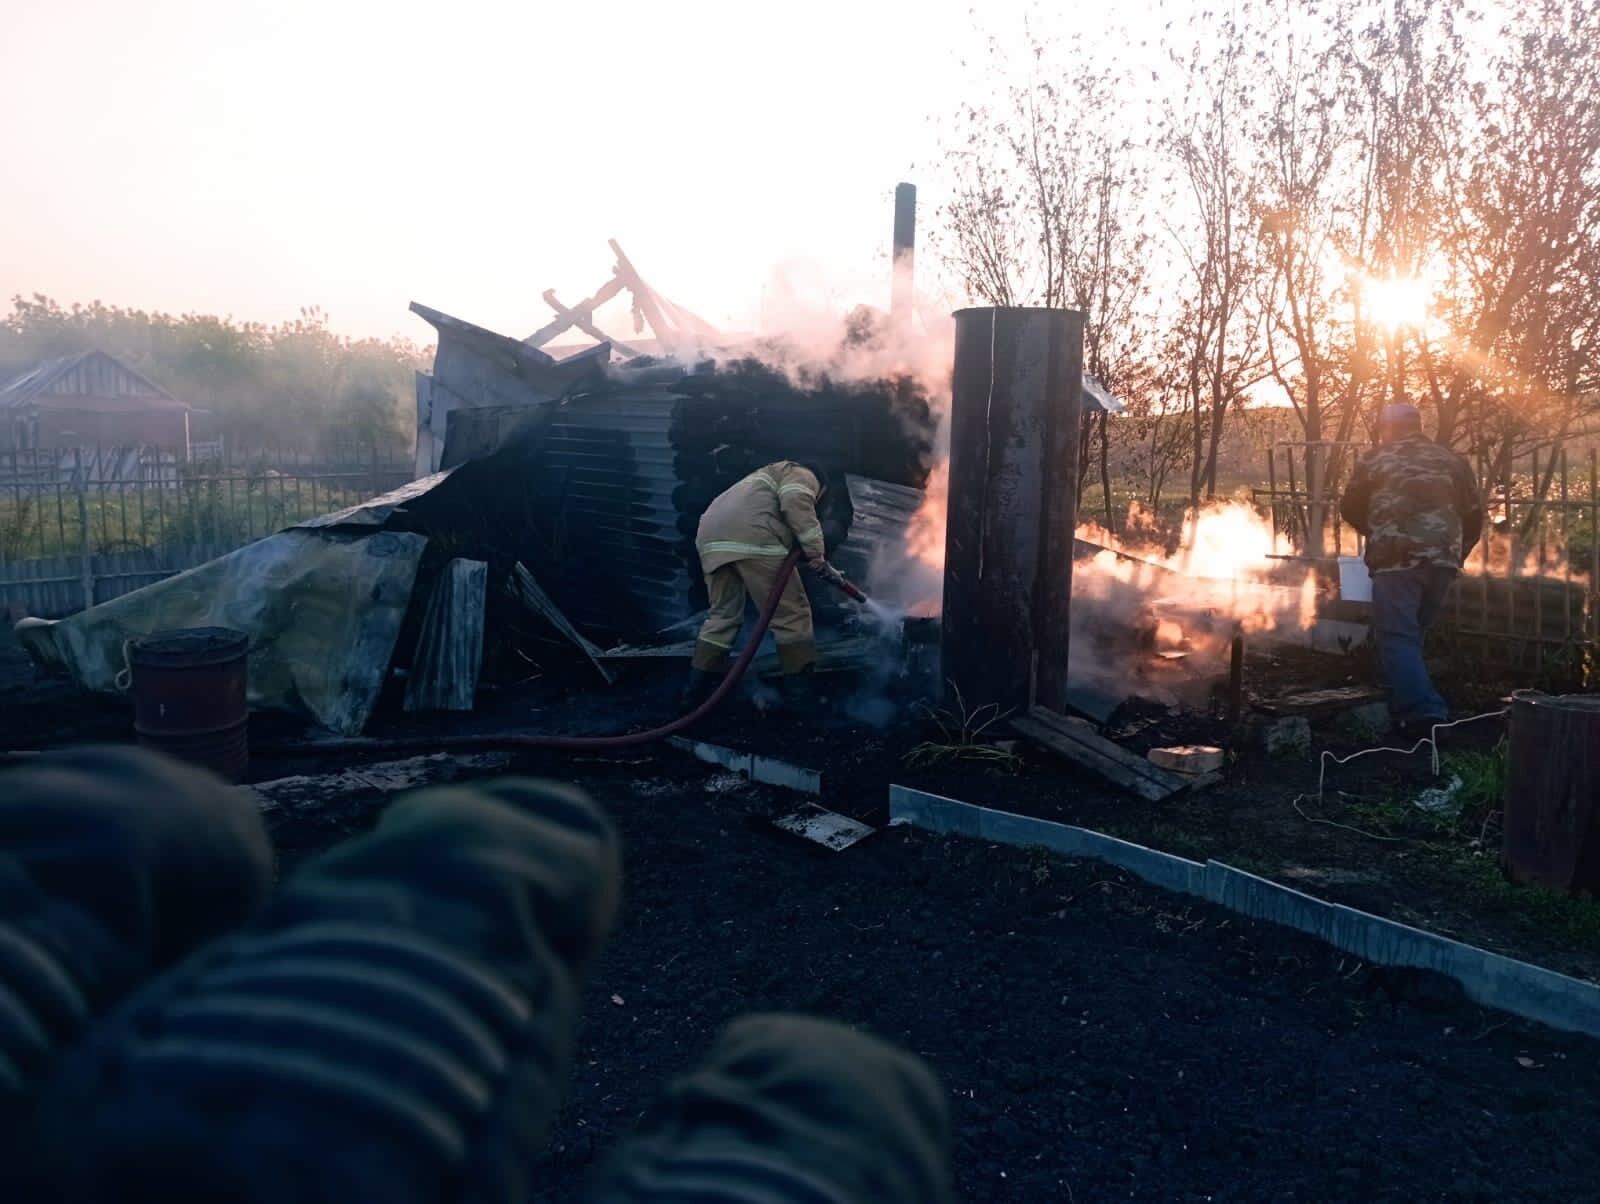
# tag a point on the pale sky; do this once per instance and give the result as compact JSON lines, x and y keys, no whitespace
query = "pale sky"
{"x":251,"y":159}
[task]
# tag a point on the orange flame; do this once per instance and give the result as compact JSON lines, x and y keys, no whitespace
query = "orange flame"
{"x":1223,"y":562}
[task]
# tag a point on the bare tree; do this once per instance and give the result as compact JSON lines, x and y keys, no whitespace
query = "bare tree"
{"x":1217,"y":330}
{"x":1524,"y":185}
{"x":1050,"y":209}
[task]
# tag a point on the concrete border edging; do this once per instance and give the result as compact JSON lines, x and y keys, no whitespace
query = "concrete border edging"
{"x":769,"y":771}
{"x":1490,"y":979}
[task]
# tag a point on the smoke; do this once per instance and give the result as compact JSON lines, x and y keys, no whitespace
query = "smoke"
{"x":809,"y":331}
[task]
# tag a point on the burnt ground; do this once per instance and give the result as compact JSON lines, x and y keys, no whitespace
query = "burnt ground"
{"x":1098,"y":1038}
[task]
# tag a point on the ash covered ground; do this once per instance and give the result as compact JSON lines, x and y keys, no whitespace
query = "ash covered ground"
{"x":1098,"y":1038}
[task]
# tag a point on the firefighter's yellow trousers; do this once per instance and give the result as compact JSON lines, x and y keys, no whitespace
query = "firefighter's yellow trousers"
{"x":791,"y":622}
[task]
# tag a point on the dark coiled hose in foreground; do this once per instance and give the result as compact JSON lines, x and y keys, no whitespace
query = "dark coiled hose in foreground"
{"x":516,"y":739}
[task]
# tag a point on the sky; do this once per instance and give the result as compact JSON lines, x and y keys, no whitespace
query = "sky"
{"x":251,"y":159}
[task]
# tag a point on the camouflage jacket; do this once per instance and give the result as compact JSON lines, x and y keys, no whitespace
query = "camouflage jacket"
{"x":1417,"y":502}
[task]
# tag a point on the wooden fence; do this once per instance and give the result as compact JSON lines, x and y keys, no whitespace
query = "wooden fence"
{"x":1527,"y":593}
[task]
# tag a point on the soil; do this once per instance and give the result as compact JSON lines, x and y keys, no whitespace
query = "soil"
{"x":1097,"y":1038}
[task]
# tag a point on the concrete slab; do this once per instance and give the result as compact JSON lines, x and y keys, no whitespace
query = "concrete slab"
{"x":769,"y":771}
{"x":826,"y":828}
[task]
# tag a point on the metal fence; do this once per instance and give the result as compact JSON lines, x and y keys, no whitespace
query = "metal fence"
{"x":84,"y":525}
{"x":1528,"y":590}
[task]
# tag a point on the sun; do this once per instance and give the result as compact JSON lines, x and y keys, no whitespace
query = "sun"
{"x":1396,"y":302}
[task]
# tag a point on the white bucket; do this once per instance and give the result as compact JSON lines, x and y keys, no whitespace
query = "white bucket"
{"x":1355,"y":583}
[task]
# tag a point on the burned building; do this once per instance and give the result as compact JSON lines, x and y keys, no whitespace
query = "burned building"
{"x":600,"y":472}
{"x":564,"y":505}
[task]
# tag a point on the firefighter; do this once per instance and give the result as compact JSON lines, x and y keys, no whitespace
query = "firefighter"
{"x":1417,"y":503}
{"x":743,"y":538}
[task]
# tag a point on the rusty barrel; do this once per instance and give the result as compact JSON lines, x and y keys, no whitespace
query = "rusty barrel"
{"x":1552,"y":816}
{"x":188,"y":689}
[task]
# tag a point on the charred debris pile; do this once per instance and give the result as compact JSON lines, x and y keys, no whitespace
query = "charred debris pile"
{"x":592,"y":475}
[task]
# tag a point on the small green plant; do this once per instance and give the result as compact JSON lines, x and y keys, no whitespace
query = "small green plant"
{"x":962,"y":737}
{"x":1483,"y":777}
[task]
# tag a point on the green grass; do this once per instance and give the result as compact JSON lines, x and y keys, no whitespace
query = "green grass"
{"x":1462,"y":852}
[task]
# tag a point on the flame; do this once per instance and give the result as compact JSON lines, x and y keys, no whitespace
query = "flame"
{"x":1223,"y":564}
{"x":1308,"y":602}
{"x":925,"y":535}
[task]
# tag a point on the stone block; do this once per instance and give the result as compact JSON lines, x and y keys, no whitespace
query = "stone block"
{"x":1188,"y":758}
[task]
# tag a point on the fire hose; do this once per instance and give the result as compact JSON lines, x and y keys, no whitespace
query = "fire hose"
{"x":520,"y":739}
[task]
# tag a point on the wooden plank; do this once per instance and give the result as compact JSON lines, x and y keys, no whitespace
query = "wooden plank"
{"x":531,"y":594}
{"x":1110,"y":768}
{"x":1322,"y":702}
{"x":626,"y":652}
{"x":1083,"y":733}
{"x":581,"y":321}
{"x":645,"y":299}
{"x":567,"y":317}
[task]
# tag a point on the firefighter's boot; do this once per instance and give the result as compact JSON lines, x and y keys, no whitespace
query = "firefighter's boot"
{"x":701,"y":685}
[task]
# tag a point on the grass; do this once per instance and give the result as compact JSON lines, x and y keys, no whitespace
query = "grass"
{"x":1461,"y":852}
{"x":963,"y":736}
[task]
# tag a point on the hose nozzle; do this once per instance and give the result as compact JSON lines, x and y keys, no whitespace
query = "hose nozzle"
{"x":851,"y":590}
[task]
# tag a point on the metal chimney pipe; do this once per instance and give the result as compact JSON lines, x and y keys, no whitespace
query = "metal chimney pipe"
{"x":905,"y":237}
{"x":1016,"y":397}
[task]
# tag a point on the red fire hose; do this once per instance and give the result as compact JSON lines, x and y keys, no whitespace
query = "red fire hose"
{"x":500,"y":740}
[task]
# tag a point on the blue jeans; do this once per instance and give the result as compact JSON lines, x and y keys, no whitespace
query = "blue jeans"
{"x":1405,"y":602}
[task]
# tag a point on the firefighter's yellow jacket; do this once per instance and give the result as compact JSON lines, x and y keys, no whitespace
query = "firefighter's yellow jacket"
{"x":762,"y":516}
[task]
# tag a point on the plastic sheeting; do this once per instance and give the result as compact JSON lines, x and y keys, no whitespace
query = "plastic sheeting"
{"x":322,"y":609}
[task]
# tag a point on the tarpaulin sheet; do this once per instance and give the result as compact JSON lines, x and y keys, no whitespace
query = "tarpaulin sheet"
{"x":322,"y":609}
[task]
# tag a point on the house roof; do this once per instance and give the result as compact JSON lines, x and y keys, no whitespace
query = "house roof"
{"x":77,"y":382}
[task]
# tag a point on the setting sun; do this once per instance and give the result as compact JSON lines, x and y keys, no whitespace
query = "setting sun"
{"x":1396,"y":302}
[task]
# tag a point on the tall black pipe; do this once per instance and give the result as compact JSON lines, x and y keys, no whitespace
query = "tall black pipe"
{"x":905,"y":238}
{"x":1016,"y":397}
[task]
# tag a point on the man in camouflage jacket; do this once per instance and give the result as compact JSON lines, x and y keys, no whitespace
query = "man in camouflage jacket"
{"x":1417,"y":503}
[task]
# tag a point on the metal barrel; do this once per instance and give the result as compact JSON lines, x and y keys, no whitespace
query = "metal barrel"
{"x":189,"y":696}
{"x":1552,"y":803}
{"x":1016,"y":401}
